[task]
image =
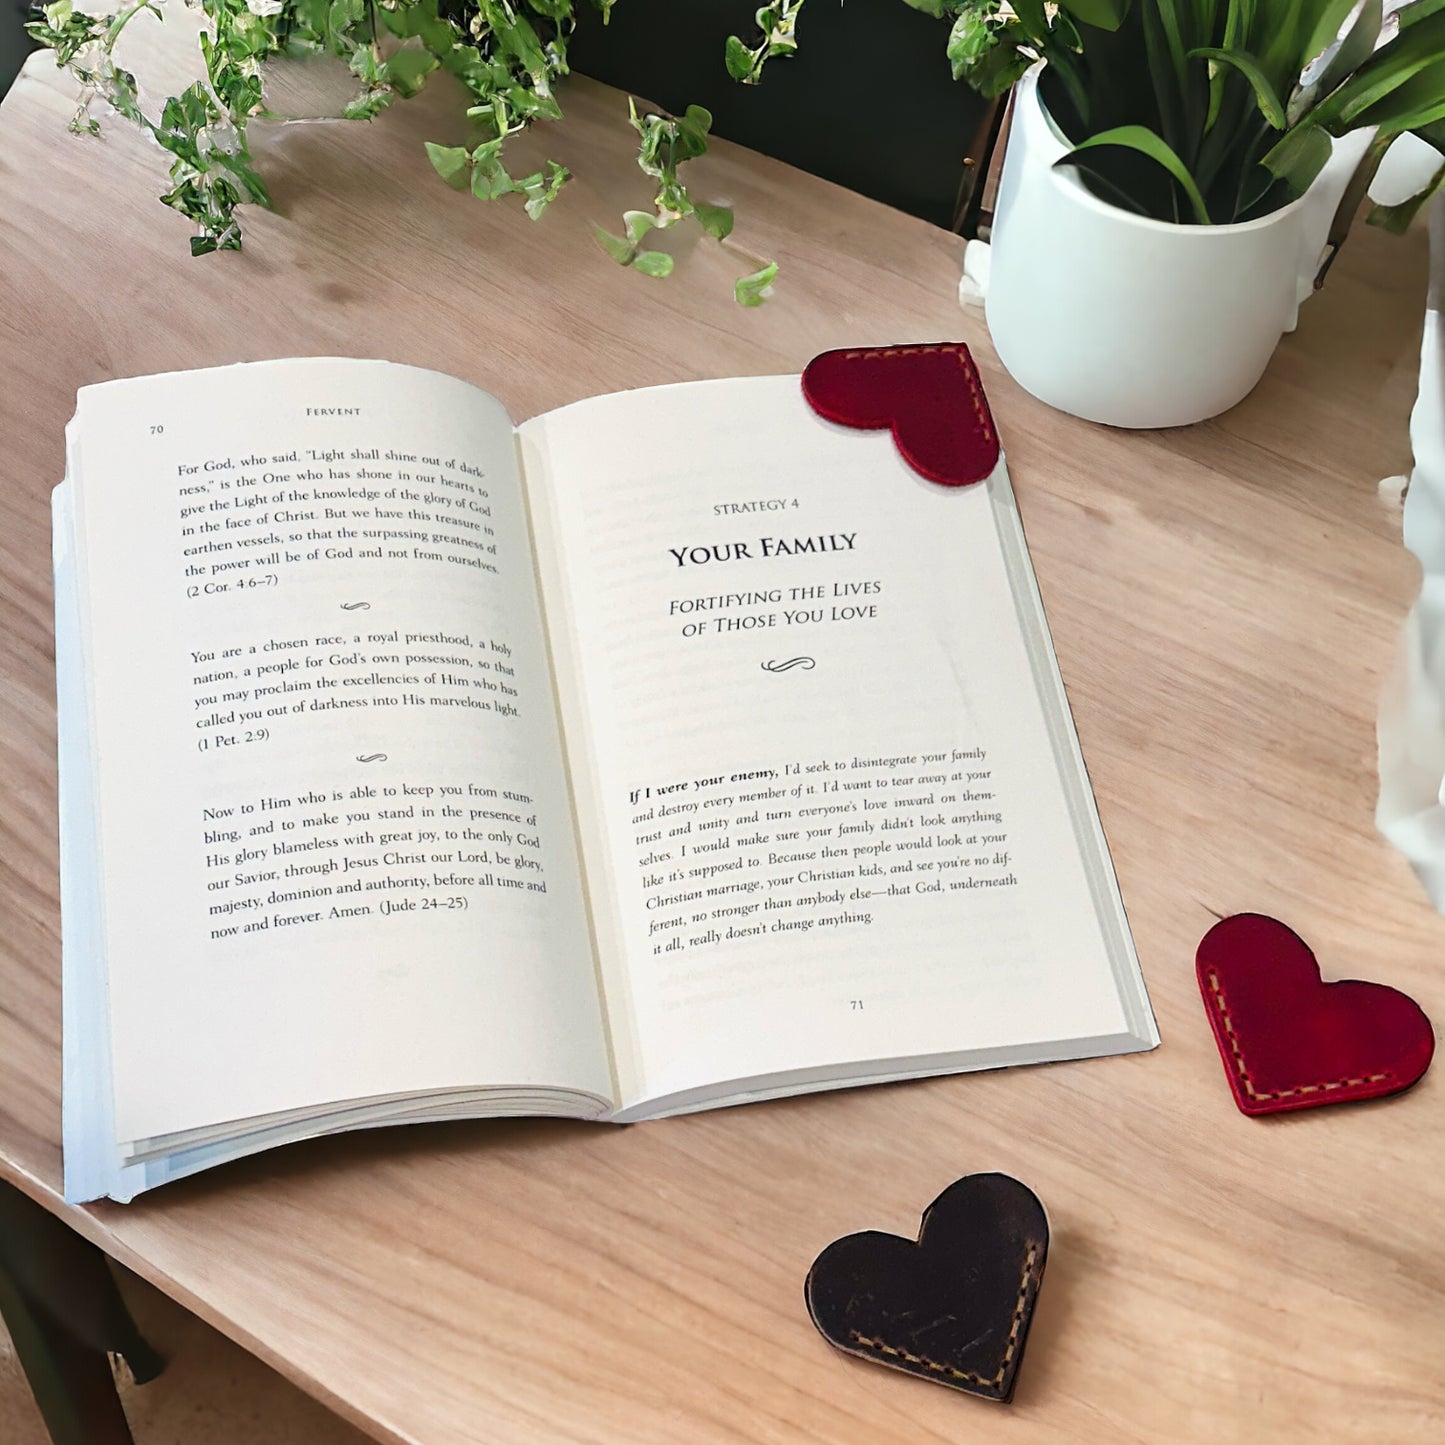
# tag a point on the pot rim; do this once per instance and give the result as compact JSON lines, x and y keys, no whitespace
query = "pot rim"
{"x":1026,"y":93}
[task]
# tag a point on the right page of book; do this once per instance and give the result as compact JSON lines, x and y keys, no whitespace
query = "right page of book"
{"x":833,"y":811}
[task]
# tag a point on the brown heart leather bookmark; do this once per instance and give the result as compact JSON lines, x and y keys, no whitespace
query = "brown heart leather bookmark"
{"x":954,"y":1306}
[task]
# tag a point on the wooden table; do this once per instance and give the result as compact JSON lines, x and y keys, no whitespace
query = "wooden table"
{"x":1224,"y":602}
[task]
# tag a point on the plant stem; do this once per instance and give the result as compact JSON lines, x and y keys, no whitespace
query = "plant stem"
{"x":1349,"y":204}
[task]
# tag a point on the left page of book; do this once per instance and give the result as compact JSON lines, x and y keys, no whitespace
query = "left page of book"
{"x":336,"y":853}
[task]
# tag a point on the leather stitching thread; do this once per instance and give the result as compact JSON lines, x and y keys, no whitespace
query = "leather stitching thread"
{"x":1026,"y":1284}
{"x":970,"y":372}
{"x":1248,"y":1083}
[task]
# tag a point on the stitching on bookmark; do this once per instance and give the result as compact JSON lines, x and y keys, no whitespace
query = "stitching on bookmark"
{"x":1248,"y":1083}
{"x":970,"y":372}
{"x":1026,"y":1283}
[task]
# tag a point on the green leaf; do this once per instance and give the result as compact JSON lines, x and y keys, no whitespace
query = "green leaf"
{"x":778,"y":24}
{"x":1299,"y":157}
{"x":1355,"y":190}
{"x":1356,"y":46}
{"x":717,"y":221}
{"x":1142,"y":139}
{"x":1270,"y":105}
{"x":754,"y":289}
{"x":451,"y":163}
{"x":979,"y":56}
{"x":621,"y":251}
{"x":653,"y":263}
{"x":739,"y":59}
{"x":692,"y":130}
{"x":489,"y":177}
{"x":1325,"y":30}
{"x":1032,"y":17}
{"x":1101,"y":14}
{"x":638,"y":224}
{"x":1419,"y":101}
{"x":1164,"y":58}
{"x":541,"y":190}
{"x":368,"y":106}
{"x":1416,"y":49}
{"x":1417,"y":10}
{"x":407,"y":70}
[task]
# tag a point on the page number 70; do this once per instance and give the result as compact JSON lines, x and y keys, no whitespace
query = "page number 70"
{"x":157,"y":430}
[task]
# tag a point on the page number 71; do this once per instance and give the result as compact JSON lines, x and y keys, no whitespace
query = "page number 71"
{"x":855,"y":1003}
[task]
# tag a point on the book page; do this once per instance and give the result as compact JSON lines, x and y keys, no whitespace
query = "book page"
{"x":826,"y":823}
{"x":337,"y":849}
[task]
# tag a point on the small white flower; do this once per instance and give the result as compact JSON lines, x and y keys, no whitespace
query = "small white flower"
{"x":89,"y":58}
{"x":265,"y":8}
{"x":222,"y":137}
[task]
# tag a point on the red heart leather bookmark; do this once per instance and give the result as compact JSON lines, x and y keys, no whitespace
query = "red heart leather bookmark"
{"x":930,"y":396}
{"x":1291,"y":1041}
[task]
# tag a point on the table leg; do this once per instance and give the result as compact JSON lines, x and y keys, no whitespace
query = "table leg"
{"x":65,"y":1315}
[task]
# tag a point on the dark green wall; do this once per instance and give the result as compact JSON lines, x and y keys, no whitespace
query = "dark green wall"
{"x":14,"y":42}
{"x":868,"y":101}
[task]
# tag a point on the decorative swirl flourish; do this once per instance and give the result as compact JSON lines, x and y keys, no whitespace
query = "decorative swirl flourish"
{"x":353,"y":606}
{"x":371,"y":757}
{"x":774,"y":666}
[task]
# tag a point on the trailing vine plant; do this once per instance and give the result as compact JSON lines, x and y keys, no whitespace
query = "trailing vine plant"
{"x":778,"y":27}
{"x":1187,"y":110}
{"x":508,"y":55}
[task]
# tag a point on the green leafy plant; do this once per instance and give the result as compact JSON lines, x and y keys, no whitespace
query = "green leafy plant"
{"x":778,"y":27}
{"x":668,"y":141}
{"x":1195,"y":111}
{"x":1203,"y":111}
{"x":508,"y":55}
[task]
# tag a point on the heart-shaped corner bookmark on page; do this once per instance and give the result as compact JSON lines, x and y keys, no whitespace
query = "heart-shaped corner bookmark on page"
{"x":930,"y":397}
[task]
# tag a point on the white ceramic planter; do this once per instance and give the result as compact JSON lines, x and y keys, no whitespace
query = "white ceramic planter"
{"x":1121,"y":319}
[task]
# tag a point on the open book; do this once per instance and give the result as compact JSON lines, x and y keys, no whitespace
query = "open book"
{"x":676,"y":749}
